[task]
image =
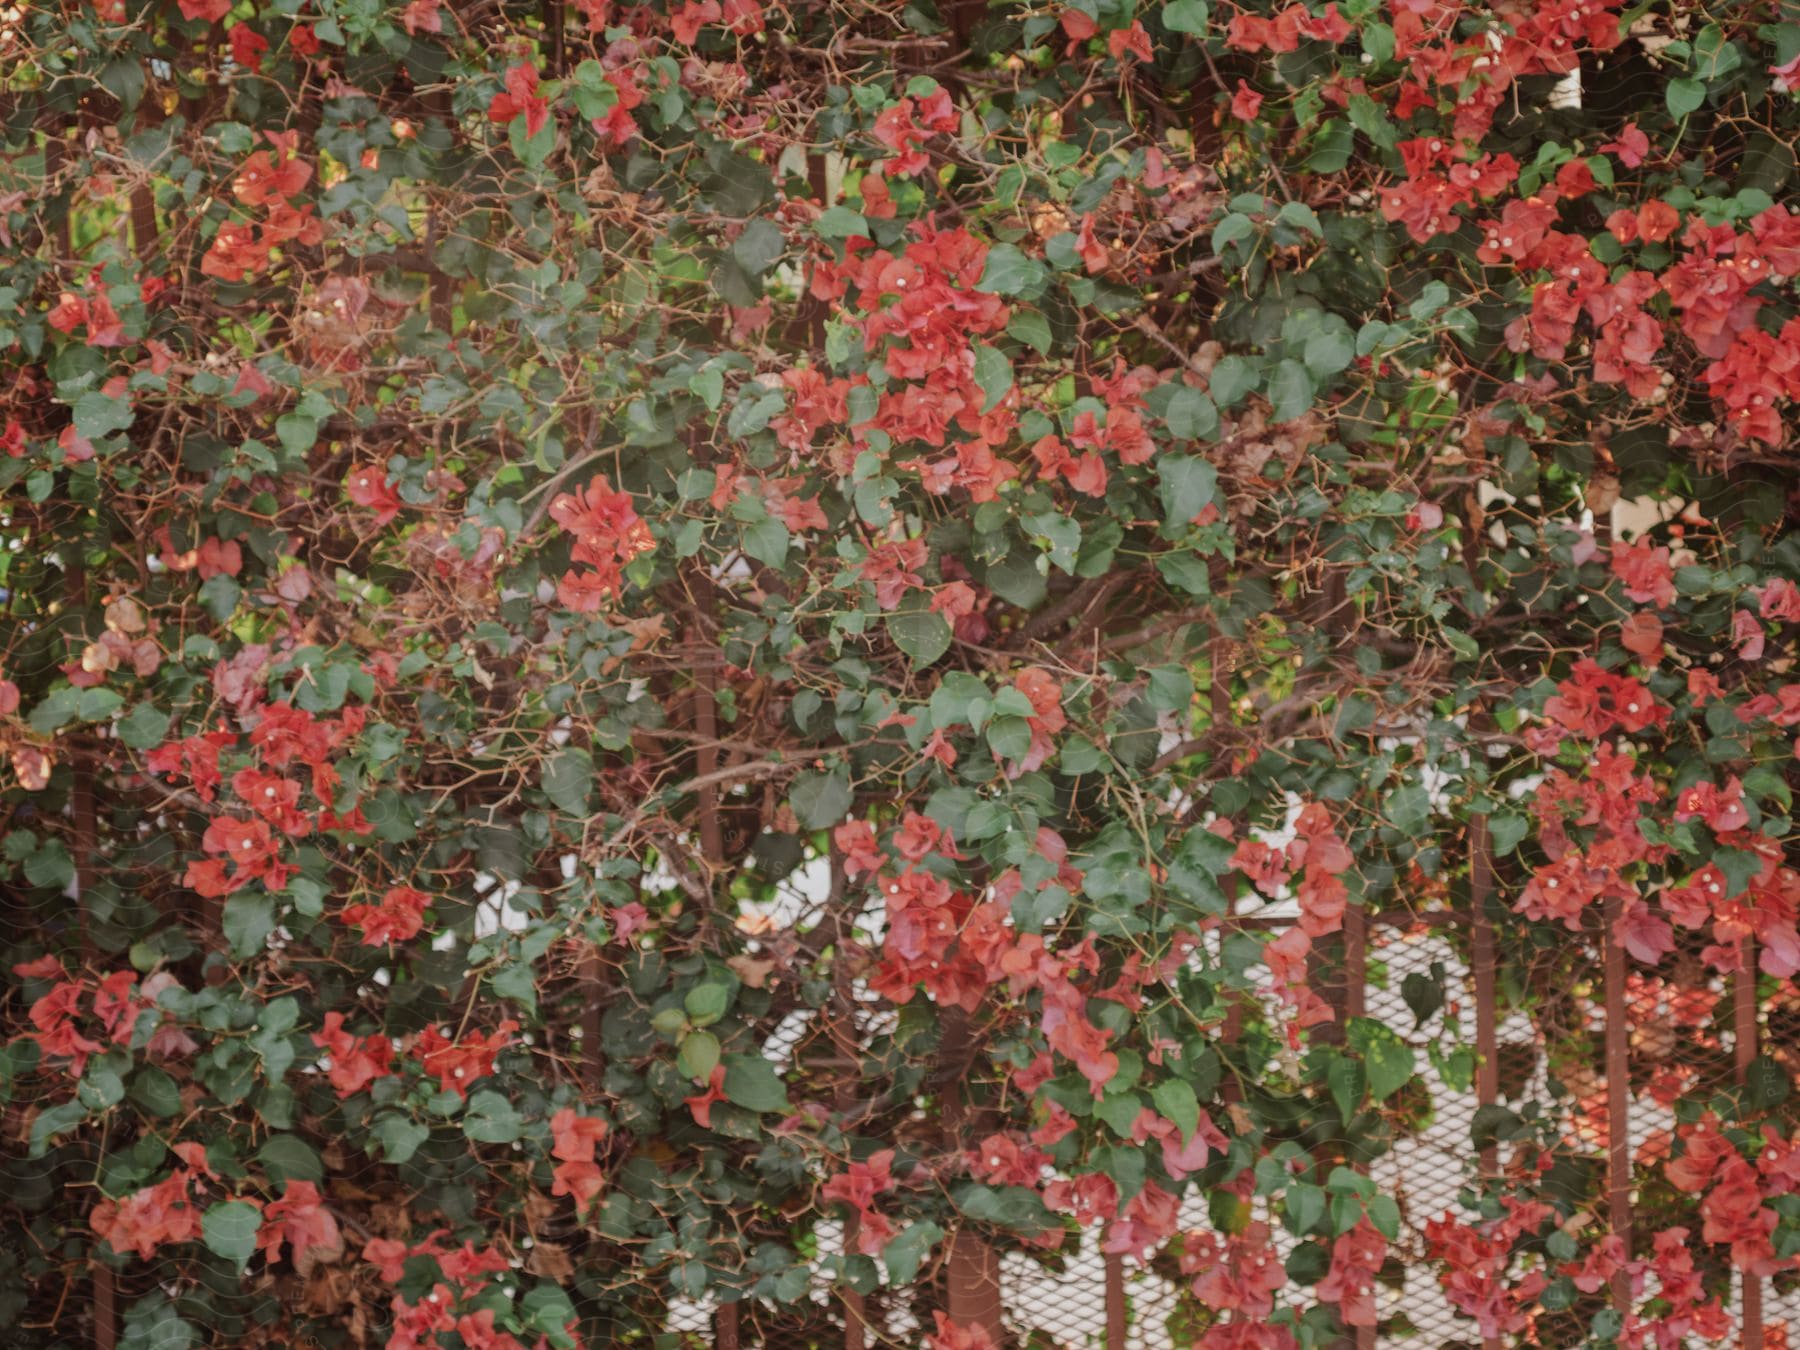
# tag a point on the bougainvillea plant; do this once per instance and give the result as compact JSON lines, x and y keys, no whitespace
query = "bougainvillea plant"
{"x":722,"y":654}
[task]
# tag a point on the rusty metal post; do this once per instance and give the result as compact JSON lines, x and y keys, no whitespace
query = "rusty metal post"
{"x":971,"y":1265}
{"x":1481,"y":945}
{"x":972,"y":1276}
{"x":1356,"y":974}
{"x":1618,"y":1099}
{"x":1481,"y":955}
{"x":1115,"y":1303}
{"x":86,"y":850}
{"x":1744,"y":1022}
{"x":725,"y":1327}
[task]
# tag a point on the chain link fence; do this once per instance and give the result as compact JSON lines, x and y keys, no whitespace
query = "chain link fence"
{"x":1589,"y":1056}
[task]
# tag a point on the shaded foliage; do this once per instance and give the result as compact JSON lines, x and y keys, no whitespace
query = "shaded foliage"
{"x":634,"y":632}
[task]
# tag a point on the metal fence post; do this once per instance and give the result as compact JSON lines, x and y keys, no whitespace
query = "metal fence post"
{"x":1618,"y":1100}
{"x":1744,"y":1048}
{"x":1115,"y":1303}
{"x":1356,"y":974}
{"x":973,"y":1273}
{"x":1481,"y":955}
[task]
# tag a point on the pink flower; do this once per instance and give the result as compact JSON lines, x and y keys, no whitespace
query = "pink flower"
{"x":630,"y":920}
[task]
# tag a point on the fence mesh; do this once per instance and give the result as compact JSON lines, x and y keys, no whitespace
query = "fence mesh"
{"x":1683,"y":1041}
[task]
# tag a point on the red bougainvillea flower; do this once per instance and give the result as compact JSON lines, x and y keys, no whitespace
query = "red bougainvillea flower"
{"x":300,"y":1222}
{"x":608,"y":534}
{"x":356,"y":1061}
{"x":1646,"y":571}
{"x":235,"y":253}
{"x":247,"y":47}
{"x":687,"y":21}
{"x":399,"y":916}
{"x":272,"y":174}
{"x":457,"y":1063}
{"x":573,"y":1138}
{"x":1132,"y":41}
{"x":1239,"y":1273}
{"x":958,"y":1335}
{"x":702,"y":1104}
{"x":858,"y":1188}
{"x":148,"y":1219}
{"x":520,"y":98}
{"x":368,"y":487}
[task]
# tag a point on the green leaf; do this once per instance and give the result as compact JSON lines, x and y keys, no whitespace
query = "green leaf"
{"x":98,"y":705}
{"x":906,"y":1251}
{"x":50,"y":865}
{"x":1329,"y":351}
{"x":101,"y":1086}
{"x":569,"y":779}
{"x":1384,"y":1215}
{"x":97,"y":415}
{"x":1302,"y":1208}
{"x":1175,"y":1101}
{"x":1505,"y":830}
{"x":1185,"y":572}
{"x":1683,"y":96}
{"x":1387,"y":1059}
{"x":535,"y":149}
{"x":123,"y":78}
{"x":1120,"y":1110}
{"x":155,"y":1091}
{"x":1715,"y":55}
{"x":1424,"y":995}
{"x":994,"y":374}
{"x":229,"y":1230}
{"x":492,"y":1119}
{"x":1190,"y":414}
{"x":709,"y":386}
{"x":1291,"y":391}
{"x":1234,"y":228}
{"x":1409,"y":810}
{"x":297,"y":434}
{"x":698,"y":1055}
{"x":1018,"y":1207}
{"x":548,"y":1310}
{"x":1031,"y":328}
{"x":706,"y":1003}
{"x":286,"y":1158}
{"x":923,"y":634}
{"x":144,"y":727}
{"x":751,"y":1082}
{"x":767,"y":541}
{"x":52,"y":1121}
{"x":821,"y":799}
{"x":1187,"y":486}
{"x":1232,"y":378}
{"x":399,"y":1137}
{"x":1186,"y":16}
{"x":1010,"y":272}
{"x":759,"y":247}
{"x":1370,"y":118}
{"x":248,"y":919}
{"x":1301,"y":217}
{"x":840,"y":222}
{"x":1344,"y":1077}
{"x":1331,"y":147}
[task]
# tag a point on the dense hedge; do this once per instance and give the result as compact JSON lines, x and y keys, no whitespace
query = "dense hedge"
{"x":631,"y":629}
